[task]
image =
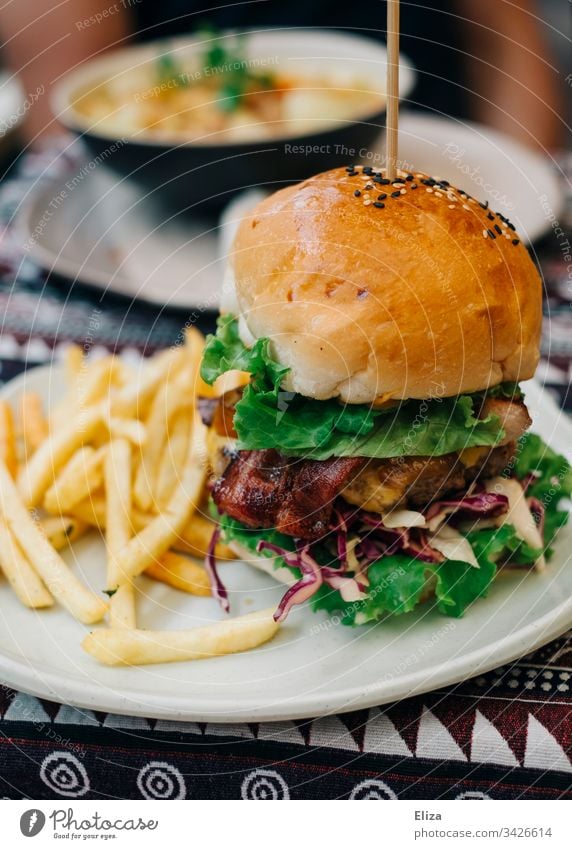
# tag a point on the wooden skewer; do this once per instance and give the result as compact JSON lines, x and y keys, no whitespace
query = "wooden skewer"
{"x":392,"y":86}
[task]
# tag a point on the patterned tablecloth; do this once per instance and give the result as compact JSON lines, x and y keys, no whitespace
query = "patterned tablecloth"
{"x":506,"y":734}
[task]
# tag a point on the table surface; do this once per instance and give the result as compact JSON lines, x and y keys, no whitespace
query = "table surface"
{"x":506,"y":734}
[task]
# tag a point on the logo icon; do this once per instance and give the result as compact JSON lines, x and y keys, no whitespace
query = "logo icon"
{"x":32,"y":822}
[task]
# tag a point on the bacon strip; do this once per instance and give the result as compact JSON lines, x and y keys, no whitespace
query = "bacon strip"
{"x":265,"y":489}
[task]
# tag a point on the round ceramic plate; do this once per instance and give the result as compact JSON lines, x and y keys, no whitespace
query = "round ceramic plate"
{"x":313,"y":666}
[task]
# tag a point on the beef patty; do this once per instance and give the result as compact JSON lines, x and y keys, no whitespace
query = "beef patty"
{"x":417,"y":481}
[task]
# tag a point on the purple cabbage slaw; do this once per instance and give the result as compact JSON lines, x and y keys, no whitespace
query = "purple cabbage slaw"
{"x":370,"y":541}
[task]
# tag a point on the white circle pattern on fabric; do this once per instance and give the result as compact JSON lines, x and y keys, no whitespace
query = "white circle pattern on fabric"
{"x":160,"y":780}
{"x":264,"y":784}
{"x":371,"y":788}
{"x":63,"y":773}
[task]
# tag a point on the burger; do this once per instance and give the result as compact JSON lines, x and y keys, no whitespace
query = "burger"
{"x":369,"y":438}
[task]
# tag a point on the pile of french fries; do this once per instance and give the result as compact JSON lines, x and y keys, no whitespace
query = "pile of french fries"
{"x":123,"y":455}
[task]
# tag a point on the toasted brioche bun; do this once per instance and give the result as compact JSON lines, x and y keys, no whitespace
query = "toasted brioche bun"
{"x":412,"y":300}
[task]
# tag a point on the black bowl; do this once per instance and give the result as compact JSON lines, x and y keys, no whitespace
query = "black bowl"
{"x":204,"y":174}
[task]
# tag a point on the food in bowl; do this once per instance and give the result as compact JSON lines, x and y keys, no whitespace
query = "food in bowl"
{"x":221,"y":94}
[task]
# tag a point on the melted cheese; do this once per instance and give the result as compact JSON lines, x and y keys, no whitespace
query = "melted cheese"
{"x":471,"y":456}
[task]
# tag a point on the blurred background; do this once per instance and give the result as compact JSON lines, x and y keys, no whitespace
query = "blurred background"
{"x":135,"y":134}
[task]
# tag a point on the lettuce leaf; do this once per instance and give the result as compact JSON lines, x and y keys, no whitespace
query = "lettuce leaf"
{"x":553,"y":479}
{"x":397,"y":582}
{"x":225,"y":352}
{"x":269,"y":417}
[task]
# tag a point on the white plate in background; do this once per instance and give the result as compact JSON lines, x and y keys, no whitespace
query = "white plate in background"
{"x":313,"y":666}
{"x":517,"y":181}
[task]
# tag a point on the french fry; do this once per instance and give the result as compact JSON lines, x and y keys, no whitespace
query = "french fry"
{"x":8,"y":451}
{"x":230,"y":380}
{"x":168,"y":401}
{"x":195,"y":343}
{"x":81,"y":476}
{"x":194,"y":539}
{"x":132,"y":400}
{"x":160,"y":534}
{"x":131,"y":429}
{"x":91,"y":385}
{"x":73,"y":364}
{"x":196,"y":536}
{"x":33,"y":423}
{"x":172,"y":458}
{"x":118,"y":532}
{"x":92,"y":511}
{"x":96,"y":381}
{"x":26,"y":584}
{"x":39,"y":473}
{"x":63,"y":530}
{"x":181,"y":573}
{"x":114,"y":646}
{"x":58,"y":578}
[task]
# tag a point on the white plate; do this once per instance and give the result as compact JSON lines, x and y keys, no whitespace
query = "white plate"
{"x":106,"y":233}
{"x":489,"y":165}
{"x":312,"y":667}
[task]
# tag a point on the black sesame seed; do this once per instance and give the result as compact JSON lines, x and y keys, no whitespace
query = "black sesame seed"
{"x":413,"y":186}
{"x":395,"y":182}
{"x":368,"y":186}
{"x":395,"y":194}
{"x":498,"y":229}
{"x":357,"y":193}
{"x":378,"y":204}
{"x":384,"y":182}
{"x":509,"y":224}
{"x":490,"y":216}
{"x":409,"y":178}
{"x":516,"y":241}
{"x":350,"y":168}
{"x":382,"y":196}
{"x":367,"y":169}
{"x":352,"y":173}
{"x":444,"y":183}
{"x":491,"y":234}
{"x":484,"y":205}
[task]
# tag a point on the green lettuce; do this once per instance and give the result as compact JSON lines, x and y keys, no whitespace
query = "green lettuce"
{"x":553,"y":479}
{"x":398,"y":583}
{"x":269,"y":417}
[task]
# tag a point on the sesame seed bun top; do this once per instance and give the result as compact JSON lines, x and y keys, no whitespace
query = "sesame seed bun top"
{"x":371,"y":291}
